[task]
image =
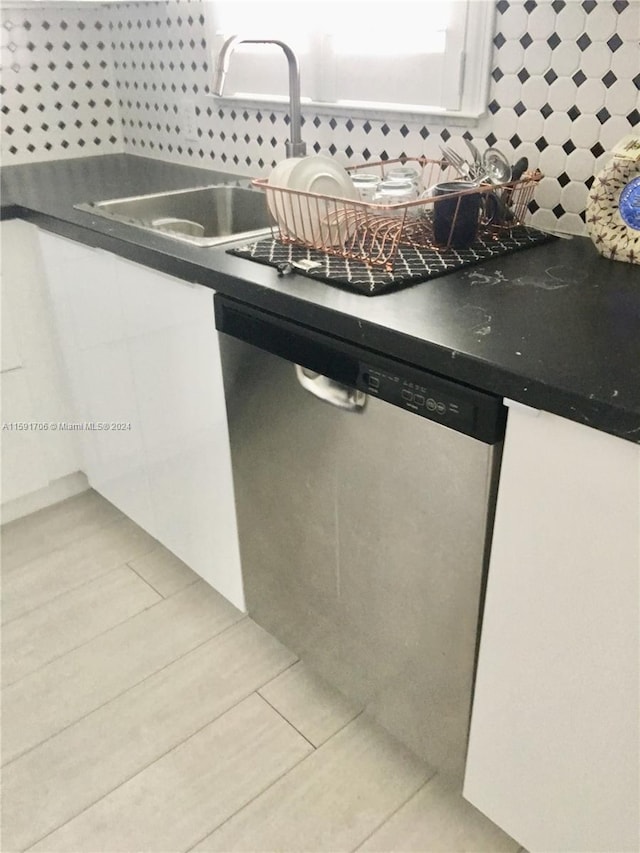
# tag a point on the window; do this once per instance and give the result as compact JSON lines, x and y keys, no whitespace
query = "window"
{"x":420,"y":56}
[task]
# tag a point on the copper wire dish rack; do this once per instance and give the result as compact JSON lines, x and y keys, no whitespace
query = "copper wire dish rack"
{"x":372,"y":233}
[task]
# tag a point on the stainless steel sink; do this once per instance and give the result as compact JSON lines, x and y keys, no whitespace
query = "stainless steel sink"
{"x":202,"y":216}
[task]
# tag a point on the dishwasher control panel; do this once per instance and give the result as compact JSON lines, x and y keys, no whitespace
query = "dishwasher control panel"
{"x":422,"y":397}
{"x":474,"y":412}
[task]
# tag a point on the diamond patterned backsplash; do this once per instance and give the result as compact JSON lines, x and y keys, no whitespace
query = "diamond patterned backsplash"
{"x":565,"y":87}
{"x":58,"y":94}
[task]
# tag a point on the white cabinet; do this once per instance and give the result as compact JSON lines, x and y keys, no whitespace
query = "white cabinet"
{"x":24,"y":468}
{"x":142,"y":356}
{"x":10,"y":359}
{"x":554,"y":743}
{"x":35,"y":457}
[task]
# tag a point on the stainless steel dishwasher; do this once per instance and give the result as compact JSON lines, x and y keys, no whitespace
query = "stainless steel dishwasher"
{"x":365,"y":490}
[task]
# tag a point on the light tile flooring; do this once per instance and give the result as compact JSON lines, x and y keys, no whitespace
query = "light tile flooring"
{"x":142,"y":712}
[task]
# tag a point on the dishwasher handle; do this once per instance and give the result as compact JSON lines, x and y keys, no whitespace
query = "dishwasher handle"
{"x":330,"y":391}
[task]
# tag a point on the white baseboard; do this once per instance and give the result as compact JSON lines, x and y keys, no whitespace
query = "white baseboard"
{"x":58,"y":490}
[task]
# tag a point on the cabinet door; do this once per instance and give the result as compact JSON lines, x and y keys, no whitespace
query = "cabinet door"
{"x":10,"y":359}
{"x":113,"y":440}
{"x":175,"y":363}
{"x":142,"y":353}
{"x":38,"y":392}
{"x":24,"y":468}
{"x":553,"y":751}
{"x":87,"y":300}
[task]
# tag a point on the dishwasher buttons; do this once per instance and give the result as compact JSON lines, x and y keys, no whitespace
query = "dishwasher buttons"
{"x":419,"y":401}
{"x":373,"y":381}
{"x":411,"y":395}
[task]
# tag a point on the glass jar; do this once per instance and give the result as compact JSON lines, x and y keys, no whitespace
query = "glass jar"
{"x":396,"y":192}
{"x":366,"y":184}
{"x":404,"y":173}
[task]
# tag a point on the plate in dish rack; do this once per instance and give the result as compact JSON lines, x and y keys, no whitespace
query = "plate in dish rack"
{"x":613,"y":232}
{"x":318,"y":174}
{"x":316,"y":221}
{"x":278,"y":178}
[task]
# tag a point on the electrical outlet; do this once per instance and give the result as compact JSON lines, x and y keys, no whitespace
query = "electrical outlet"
{"x":188,"y":123}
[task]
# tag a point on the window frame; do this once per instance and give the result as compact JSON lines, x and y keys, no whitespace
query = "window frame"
{"x":475,"y":41}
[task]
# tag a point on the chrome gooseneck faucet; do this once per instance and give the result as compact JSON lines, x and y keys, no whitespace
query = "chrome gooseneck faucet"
{"x":294,"y":147}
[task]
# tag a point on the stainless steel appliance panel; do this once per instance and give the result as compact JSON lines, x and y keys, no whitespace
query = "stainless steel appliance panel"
{"x":362,"y":537}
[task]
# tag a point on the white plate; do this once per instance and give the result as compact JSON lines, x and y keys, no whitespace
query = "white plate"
{"x":278,"y":178}
{"x":316,"y":221}
{"x":319,"y":174}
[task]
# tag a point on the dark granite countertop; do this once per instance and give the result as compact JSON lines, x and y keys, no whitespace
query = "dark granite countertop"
{"x":556,"y":327}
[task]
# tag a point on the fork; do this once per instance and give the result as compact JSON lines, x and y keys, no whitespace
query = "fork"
{"x":454,"y":159}
{"x":477,"y":158}
{"x":462,"y":167}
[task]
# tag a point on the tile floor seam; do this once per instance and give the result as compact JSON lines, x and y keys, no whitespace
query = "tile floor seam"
{"x":280,"y":714}
{"x":155,"y":761}
{"x":49,"y":550}
{"x":164,"y":597}
{"x":186,"y":586}
{"x":344,"y":726}
{"x":56,"y":548}
{"x":90,"y":639}
{"x":122,"y":693}
{"x":395,"y":811}
{"x":293,"y":767}
{"x":288,"y":667}
{"x":66,"y":592}
{"x":73,"y":588}
{"x":282,"y":671}
{"x":6,"y":574}
{"x":260,"y":793}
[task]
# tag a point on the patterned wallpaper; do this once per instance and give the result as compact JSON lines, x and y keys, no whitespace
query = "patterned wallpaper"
{"x":565,"y":86}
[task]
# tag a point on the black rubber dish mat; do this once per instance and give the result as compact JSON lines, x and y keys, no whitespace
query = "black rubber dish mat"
{"x":413,"y":265}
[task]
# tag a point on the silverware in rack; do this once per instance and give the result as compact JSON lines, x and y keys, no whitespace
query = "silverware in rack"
{"x":474,"y":171}
{"x":491,"y":167}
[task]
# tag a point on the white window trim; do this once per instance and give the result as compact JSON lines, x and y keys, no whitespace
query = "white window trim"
{"x":476,"y":57}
